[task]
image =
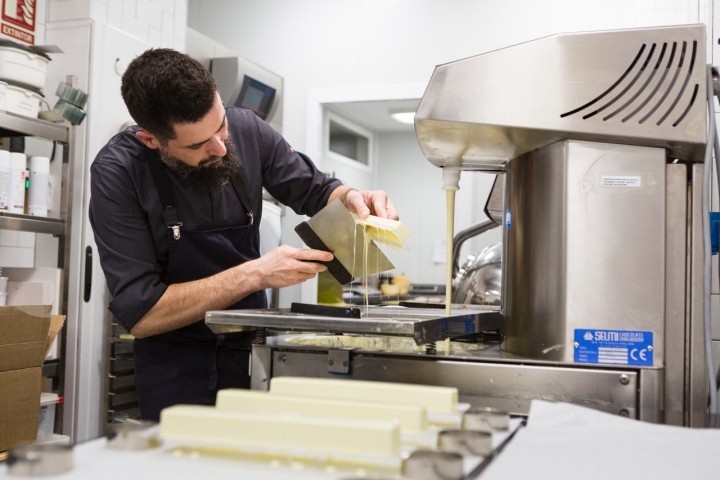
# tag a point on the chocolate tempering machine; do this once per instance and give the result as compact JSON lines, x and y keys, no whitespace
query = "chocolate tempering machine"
{"x":599,"y":142}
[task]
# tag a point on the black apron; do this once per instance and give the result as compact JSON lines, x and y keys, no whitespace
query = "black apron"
{"x":189,"y":365}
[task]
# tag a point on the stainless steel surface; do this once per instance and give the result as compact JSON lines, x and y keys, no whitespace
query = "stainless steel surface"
{"x":260,"y":368}
{"x":651,"y":393}
{"x":485,"y":379}
{"x":28,"y":223}
{"x":485,"y":420}
{"x":431,"y":465}
{"x":337,"y":229}
{"x":479,"y":281}
{"x":339,"y":361}
{"x":676,"y":219}
{"x":638,"y":87}
{"x":133,"y":435}
{"x":468,"y":443}
{"x":12,"y":124}
{"x":696,"y":373}
{"x":580,"y":253}
{"x":71,"y":260}
{"x":39,"y":460}
{"x":466,"y":235}
{"x":495,"y":205}
{"x":424,"y":325}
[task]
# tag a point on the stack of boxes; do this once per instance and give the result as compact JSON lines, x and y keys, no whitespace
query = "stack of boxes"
{"x":26,"y":334}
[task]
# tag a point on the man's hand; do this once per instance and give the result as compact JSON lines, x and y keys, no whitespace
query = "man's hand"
{"x":285,"y":266}
{"x":186,"y":303}
{"x":366,"y":202}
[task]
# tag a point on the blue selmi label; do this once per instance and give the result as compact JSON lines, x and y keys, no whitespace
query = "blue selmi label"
{"x":614,"y":347}
{"x":457,"y":325}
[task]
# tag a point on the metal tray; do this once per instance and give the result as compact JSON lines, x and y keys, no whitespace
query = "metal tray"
{"x":424,"y":325}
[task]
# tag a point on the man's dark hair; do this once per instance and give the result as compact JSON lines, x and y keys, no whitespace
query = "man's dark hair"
{"x":163,"y":87}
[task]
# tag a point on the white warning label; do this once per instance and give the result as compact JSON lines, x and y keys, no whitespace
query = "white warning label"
{"x":621,"y":181}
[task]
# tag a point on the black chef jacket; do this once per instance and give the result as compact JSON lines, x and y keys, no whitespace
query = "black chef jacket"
{"x":125,"y":212}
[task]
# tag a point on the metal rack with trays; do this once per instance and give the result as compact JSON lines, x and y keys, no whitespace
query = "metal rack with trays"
{"x":121,"y":400}
{"x":13,"y":125}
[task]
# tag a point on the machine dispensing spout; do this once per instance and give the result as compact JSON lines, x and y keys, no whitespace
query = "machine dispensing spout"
{"x":451,"y":178}
{"x":451,"y":183}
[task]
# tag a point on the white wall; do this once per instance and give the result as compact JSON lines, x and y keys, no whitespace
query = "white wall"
{"x":325,"y":43}
{"x":159,"y":22}
{"x":414,"y":185}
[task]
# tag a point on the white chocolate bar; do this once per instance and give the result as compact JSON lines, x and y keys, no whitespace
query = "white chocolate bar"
{"x":411,"y":417}
{"x":383,"y":230}
{"x":213,"y":427}
{"x":434,"y":399}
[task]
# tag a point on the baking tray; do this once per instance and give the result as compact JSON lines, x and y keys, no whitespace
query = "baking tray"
{"x":424,"y":325}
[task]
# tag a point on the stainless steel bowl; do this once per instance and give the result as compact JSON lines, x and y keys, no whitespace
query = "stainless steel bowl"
{"x":479,"y":280}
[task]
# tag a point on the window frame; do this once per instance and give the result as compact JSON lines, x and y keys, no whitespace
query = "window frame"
{"x":357,"y":130}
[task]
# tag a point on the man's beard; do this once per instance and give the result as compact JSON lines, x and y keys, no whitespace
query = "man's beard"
{"x":211,"y":173}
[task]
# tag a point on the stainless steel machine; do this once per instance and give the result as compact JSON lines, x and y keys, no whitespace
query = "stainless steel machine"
{"x":601,"y":139}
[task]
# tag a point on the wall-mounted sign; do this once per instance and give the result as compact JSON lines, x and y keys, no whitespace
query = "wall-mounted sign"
{"x":18,"y":20}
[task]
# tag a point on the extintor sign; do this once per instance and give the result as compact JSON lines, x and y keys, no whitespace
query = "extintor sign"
{"x":18,"y":19}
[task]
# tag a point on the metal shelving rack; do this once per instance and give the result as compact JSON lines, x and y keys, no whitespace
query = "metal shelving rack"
{"x":121,"y":399}
{"x":12,"y":125}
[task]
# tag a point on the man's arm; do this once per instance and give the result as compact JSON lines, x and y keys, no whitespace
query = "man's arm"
{"x":141,"y":301}
{"x":186,"y":303}
{"x":364,"y":203}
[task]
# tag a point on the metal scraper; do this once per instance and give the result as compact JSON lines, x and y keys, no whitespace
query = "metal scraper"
{"x":334,"y":230}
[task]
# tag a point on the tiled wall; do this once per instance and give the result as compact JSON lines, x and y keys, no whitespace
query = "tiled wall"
{"x":17,"y":249}
{"x":159,"y":22}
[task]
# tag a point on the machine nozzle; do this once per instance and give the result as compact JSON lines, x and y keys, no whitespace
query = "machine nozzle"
{"x":451,"y":178}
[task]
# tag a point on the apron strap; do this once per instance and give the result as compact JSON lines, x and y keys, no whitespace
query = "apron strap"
{"x":167,"y":199}
{"x":239,"y":185}
{"x":169,"y":205}
{"x":212,"y":370}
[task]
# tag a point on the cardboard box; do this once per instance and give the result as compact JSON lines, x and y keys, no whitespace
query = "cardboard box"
{"x":23,"y":346}
{"x":19,"y":406}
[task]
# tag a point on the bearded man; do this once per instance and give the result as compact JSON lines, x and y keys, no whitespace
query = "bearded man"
{"x":176,"y":203}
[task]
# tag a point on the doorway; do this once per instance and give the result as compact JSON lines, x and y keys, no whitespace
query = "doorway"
{"x":399,"y":168}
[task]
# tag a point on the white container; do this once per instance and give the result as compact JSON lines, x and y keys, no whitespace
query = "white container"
{"x":22,"y":101}
{"x":39,"y":186}
{"x":4,"y":179}
{"x":3,"y":284}
{"x":3,"y":88}
{"x":46,"y":421}
{"x":19,"y":63}
{"x":16,"y":184}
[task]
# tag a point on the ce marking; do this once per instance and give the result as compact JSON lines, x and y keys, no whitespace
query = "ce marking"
{"x":635,"y":353}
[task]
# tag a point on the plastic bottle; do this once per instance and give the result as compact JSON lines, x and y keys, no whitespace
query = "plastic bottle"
{"x":16,"y":189}
{"x":4,"y":179}
{"x":39,"y":184}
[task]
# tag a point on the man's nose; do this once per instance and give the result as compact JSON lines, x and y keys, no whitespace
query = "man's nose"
{"x":216,"y":147}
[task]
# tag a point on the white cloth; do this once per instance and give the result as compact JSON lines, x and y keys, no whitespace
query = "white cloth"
{"x":564,"y":441}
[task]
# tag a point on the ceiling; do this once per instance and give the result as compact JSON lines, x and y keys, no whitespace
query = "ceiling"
{"x":375,"y":115}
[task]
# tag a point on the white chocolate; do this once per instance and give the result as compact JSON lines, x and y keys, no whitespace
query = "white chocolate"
{"x":195,"y":423}
{"x":411,"y":417}
{"x":434,"y":399}
{"x":383,"y":230}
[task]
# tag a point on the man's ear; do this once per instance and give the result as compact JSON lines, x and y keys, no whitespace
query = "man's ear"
{"x":148,"y":139}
